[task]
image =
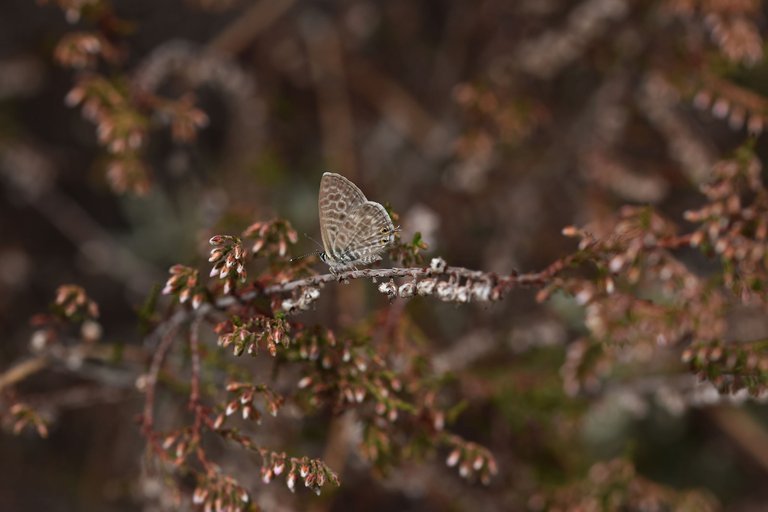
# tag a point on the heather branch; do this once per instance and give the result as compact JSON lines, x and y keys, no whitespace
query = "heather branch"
{"x":438,"y":268}
{"x":22,"y":370}
{"x":194,"y":347}
{"x":383,"y":273}
{"x":152,"y":376}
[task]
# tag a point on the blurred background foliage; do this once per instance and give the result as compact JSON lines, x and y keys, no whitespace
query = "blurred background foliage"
{"x":131,"y":131}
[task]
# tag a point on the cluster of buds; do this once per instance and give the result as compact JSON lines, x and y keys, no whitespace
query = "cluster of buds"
{"x":120,"y":128}
{"x":74,"y":304}
{"x":183,"y":284}
{"x":271,"y":237}
{"x":632,"y":254}
{"x":71,"y":308}
{"x":358,"y":374}
{"x":637,"y":230}
{"x":246,"y":336}
{"x":245,"y":402}
{"x":81,"y":50}
{"x":452,"y":290}
{"x":21,"y":416}
{"x":737,"y":232}
{"x":729,"y":105}
{"x":216,"y":492}
{"x":458,"y":287}
{"x":184,"y":118}
{"x":616,"y":482}
{"x":128,"y":173}
{"x":314,"y":472}
{"x":586,"y":363}
{"x":736,"y":33}
{"x":301,"y":302}
{"x":472,"y":460}
{"x":228,"y":258}
{"x":311,"y":345}
{"x":607,"y":314}
{"x":731,"y":367}
{"x":377,"y":445}
{"x":178,"y":445}
{"x":272,"y":465}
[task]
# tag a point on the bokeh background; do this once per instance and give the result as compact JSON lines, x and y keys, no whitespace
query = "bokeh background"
{"x":488,"y":126}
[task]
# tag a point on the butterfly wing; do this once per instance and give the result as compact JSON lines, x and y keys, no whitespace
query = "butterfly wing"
{"x":337,"y":198}
{"x":371,"y":231}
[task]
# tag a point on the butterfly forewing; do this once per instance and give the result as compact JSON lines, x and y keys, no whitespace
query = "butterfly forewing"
{"x":338,"y":197}
{"x":354,"y":230}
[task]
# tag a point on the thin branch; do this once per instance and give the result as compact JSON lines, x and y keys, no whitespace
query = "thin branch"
{"x":383,"y":273}
{"x":255,"y":20}
{"x":744,"y":430}
{"x":22,"y":370}
{"x":154,"y":370}
{"x":194,"y":348}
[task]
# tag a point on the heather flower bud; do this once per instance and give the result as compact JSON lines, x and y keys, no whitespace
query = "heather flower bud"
{"x":290,"y":481}
{"x":481,"y":291}
{"x":426,"y":286}
{"x":446,"y":291}
{"x":389,"y":289}
{"x":198,"y":497}
{"x":216,"y":255}
{"x":439,"y":421}
{"x":570,"y":231}
{"x":232,"y":406}
{"x":438,"y":265}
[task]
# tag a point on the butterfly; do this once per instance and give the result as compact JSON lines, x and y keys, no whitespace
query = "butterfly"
{"x":355,"y":231}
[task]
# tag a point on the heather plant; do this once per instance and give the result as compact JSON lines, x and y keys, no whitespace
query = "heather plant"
{"x":570,"y":317}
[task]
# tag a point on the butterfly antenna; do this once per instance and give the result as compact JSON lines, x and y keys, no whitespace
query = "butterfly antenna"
{"x":313,"y":253}
{"x":316,"y":243}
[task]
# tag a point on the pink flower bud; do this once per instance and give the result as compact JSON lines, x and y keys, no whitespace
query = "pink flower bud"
{"x":453,"y":458}
{"x":291,"y":481}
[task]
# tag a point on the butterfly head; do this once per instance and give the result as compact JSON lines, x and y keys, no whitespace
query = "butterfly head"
{"x":388,"y":235}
